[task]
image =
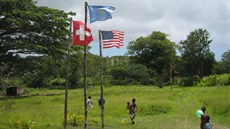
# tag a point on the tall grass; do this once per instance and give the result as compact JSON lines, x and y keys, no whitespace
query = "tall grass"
{"x":159,"y":108}
{"x":218,"y":101}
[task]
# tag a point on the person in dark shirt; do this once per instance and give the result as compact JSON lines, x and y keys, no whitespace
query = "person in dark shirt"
{"x":202,"y":119}
{"x":132,"y":107}
{"x":131,"y":112}
{"x":101,"y":102}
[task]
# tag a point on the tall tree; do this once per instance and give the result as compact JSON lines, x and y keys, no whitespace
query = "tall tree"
{"x":226,"y":61}
{"x":196,"y":55}
{"x":28,"y":29}
{"x":156,"y":52}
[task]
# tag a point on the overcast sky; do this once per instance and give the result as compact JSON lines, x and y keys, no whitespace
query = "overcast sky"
{"x":136,"y":18}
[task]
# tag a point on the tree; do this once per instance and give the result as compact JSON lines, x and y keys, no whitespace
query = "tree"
{"x":138,"y":74}
{"x":196,"y":56}
{"x":156,"y":52}
{"x":119,"y":75}
{"x":226,"y":60}
{"x":28,"y":29}
{"x":223,"y":66}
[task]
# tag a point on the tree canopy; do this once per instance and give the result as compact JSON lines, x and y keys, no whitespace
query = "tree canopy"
{"x":28,"y":29}
{"x":226,"y":61}
{"x":156,"y":52}
{"x":196,"y":55}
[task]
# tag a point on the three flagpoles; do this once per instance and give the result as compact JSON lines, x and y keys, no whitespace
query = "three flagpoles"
{"x":85,"y":42}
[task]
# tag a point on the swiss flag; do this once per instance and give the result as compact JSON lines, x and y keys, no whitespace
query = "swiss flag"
{"x":81,"y":34}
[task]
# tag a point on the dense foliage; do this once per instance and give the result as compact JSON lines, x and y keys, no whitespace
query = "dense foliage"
{"x":156,"y":52}
{"x":196,"y":56}
{"x":28,"y":29}
{"x":215,"y":80}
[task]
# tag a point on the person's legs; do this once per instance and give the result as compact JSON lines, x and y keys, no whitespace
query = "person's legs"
{"x":132,"y":117}
{"x":201,"y":127}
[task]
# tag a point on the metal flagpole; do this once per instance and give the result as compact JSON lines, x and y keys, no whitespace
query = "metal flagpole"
{"x":101,"y":73}
{"x":85,"y":76}
{"x":67,"y":75}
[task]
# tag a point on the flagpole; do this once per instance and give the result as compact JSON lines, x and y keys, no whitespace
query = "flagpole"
{"x":101,"y":73}
{"x":67,"y":75}
{"x":85,"y":76}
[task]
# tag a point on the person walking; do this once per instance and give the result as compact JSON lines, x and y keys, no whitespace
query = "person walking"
{"x":131,"y":112}
{"x":132,"y":107}
{"x":202,"y":119}
{"x":90,"y":102}
{"x":101,"y":102}
{"x":134,"y":104}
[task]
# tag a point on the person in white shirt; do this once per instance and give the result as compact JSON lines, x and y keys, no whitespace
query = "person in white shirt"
{"x":89,"y":102}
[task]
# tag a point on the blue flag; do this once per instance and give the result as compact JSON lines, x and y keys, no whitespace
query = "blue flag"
{"x":100,"y":13}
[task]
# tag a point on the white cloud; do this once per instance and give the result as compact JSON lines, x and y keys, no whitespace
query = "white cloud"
{"x":174,"y":17}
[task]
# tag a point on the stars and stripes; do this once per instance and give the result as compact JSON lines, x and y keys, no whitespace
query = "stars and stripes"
{"x":112,"y":38}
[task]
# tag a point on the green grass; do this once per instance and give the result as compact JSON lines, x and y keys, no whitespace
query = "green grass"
{"x":159,"y":108}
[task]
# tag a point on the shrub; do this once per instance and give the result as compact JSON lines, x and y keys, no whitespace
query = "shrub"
{"x":189,"y":81}
{"x":33,"y":79}
{"x":56,"y":82}
{"x":75,"y":120}
{"x":10,"y":82}
{"x":154,"y":110}
{"x":23,"y":125}
{"x":215,"y":80}
{"x":228,"y":82}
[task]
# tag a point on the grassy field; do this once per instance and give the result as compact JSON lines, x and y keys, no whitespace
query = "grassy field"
{"x":159,"y":108}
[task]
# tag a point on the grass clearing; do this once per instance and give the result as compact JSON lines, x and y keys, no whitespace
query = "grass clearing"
{"x":159,"y":108}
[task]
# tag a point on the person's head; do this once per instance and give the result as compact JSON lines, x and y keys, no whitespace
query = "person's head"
{"x":128,"y":103}
{"x":133,"y":100}
{"x":207,"y":118}
{"x":203,"y":108}
{"x":89,"y":97}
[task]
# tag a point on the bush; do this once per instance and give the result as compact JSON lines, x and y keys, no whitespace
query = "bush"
{"x":215,"y":80}
{"x":34,"y":79}
{"x":150,"y":110}
{"x":228,"y":82}
{"x":23,"y":124}
{"x":75,"y":120}
{"x":56,"y":82}
{"x":10,"y":82}
{"x":189,"y":81}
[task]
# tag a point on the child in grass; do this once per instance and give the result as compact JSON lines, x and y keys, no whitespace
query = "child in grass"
{"x":132,"y":108}
{"x":131,"y":112}
{"x":101,"y":102}
{"x":134,"y":104}
{"x":208,"y":124}
{"x":90,"y":102}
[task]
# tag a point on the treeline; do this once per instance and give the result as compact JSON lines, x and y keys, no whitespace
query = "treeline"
{"x":33,"y":53}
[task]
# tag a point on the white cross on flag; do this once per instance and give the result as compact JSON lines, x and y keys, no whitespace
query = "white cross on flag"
{"x":81,"y":34}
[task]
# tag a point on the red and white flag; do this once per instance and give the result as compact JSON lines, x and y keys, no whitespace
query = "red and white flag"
{"x":81,"y":34}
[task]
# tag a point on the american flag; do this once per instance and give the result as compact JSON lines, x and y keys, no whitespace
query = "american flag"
{"x":112,"y":38}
